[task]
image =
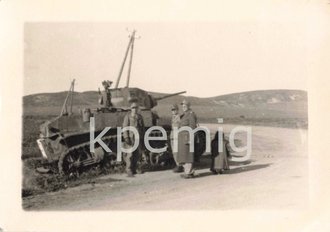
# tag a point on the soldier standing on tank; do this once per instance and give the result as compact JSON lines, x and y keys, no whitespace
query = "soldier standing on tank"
{"x":105,"y":96}
{"x":185,"y":157}
{"x":175,"y":124}
{"x":133,"y":119}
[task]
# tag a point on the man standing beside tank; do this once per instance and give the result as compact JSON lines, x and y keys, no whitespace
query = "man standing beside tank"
{"x":185,"y":157}
{"x":133,"y":119}
{"x":175,"y":124}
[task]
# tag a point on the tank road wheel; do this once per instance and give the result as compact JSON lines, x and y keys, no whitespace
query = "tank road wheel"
{"x":69,"y":164}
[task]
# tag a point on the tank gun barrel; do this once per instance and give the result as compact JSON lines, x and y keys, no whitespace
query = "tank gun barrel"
{"x":169,"y":95}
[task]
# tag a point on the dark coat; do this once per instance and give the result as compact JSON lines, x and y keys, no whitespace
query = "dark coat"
{"x":219,"y":159}
{"x":134,"y":121}
{"x":184,"y":155}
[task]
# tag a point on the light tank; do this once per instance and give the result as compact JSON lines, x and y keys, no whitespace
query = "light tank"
{"x":65,"y":140}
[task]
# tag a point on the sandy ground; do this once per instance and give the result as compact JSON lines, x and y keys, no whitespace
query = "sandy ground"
{"x":275,"y":178}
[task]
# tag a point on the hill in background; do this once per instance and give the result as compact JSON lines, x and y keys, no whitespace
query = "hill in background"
{"x":254,"y":107}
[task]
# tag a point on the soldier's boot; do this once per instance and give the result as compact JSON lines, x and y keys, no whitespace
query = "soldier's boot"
{"x":178,"y":169}
{"x":130,"y":174}
{"x":140,"y":168}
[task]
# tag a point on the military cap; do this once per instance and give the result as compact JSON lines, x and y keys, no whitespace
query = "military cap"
{"x":174,"y":107}
{"x":185,"y":102}
{"x":106,"y":83}
{"x":134,"y":105}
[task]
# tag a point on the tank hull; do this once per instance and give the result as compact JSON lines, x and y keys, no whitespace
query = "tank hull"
{"x":66,"y":139}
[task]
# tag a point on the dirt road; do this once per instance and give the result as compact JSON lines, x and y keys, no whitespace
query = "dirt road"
{"x":275,"y":178}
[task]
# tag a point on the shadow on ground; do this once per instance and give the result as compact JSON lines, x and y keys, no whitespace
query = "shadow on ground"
{"x":236,"y":170}
{"x":205,"y":162}
{"x":105,"y":180}
{"x":247,"y":168}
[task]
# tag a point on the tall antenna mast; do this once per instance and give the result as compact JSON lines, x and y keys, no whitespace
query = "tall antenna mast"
{"x":71,"y":99}
{"x":70,"y":92}
{"x":130,"y":59}
{"x":130,"y":46}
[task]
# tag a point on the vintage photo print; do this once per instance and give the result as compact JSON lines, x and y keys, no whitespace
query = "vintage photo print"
{"x":242,"y":97}
{"x":178,"y":112}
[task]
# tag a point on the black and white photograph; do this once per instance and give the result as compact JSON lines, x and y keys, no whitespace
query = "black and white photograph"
{"x":86,"y":82}
{"x":178,"y":111}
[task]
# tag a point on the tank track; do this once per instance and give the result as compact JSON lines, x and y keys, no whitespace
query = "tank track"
{"x":74,"y":158}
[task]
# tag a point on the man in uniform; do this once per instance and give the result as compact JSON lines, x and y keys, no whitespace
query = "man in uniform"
{"x":105,"y":96}
{"x":219,"y":158}
{"x":175,"y":123}
{"x":133,"y":119}
{"x":185,"y":157}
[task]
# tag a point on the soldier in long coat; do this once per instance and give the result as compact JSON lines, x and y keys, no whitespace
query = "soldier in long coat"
{"x":219,"y":158}
{"x":175,"y":124}
{"x":133,"y":119}
{"x":185,"y":157}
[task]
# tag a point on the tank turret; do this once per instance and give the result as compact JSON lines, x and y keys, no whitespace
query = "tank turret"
{"x":122,"y":97}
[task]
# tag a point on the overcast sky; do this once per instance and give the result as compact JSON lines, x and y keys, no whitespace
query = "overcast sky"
{"x":205,"y":59}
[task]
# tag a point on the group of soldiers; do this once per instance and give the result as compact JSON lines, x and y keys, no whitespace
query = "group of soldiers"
{"x":183,"y":157}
